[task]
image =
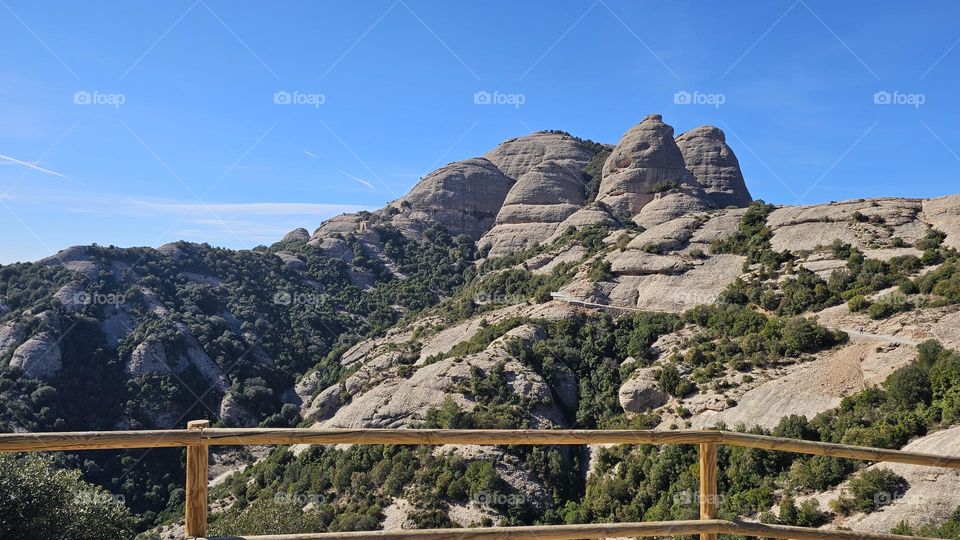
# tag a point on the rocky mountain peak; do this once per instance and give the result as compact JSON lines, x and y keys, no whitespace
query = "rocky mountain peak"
{"x":464,"y":197}
{"x":515,"y":157}
{"x":523,"y":191}
{"x":646,"y":161}
{"x":713,"y":163}
{"x":297,"y":235}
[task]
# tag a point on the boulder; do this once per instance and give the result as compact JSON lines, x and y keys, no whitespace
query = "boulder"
{"x":12,"y":334}
{"x":714,"y":165}
{"x":291,"y":261}
{"x":235,"y":414}
{"x":148,"y":357}
{"x":342,"y":224}
{"x":297,"y":235}
{"x":464,"y":197}
{"x":685,"y":199}
{"x":335,"y":247}
{"x":323,"y":405}
{"x":38,"y":357}
{"x":642,"y":393}
{"x":646,"y":159}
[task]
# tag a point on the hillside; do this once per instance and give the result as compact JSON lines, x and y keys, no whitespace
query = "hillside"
{"x":553,"y":282}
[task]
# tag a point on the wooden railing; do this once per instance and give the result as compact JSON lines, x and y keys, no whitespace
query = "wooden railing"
{"x":198,"y":437}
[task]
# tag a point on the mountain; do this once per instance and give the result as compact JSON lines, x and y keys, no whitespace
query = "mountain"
{"x":553,"y":282}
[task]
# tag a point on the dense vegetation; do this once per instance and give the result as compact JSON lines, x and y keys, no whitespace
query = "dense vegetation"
{"x":39,"y":498}
{"x":240,"y":307}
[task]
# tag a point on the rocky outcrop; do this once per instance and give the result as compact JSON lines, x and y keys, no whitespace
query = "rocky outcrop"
{"x":519,"y":156}
{"x":537,"y":203}
{"x":864,"y":224}
{"x":398,"y":401}
{"x":152,"y":356}
{"x":672,"y":204}
{"x":12,"y":334}
{"x":291,"y":261}
{"x":337,"y":225}
{"x":233,"y":413}
{"x":296,"y":235}
{"x":714,"y":165}
{"x":646,"y":160}
{"x":642,"y":393}
{"x":944,"y":214}
{"x":39,"y":357}
{"x":464,"y":197}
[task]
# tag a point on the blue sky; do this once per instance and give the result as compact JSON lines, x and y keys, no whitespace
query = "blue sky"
{"x":139,"y":123}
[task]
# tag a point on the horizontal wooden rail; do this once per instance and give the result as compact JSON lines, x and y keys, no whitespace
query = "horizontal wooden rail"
{"x":200,"y":437}
{"x":605,"y":530}
{"x":97,"y":440}
{"x":113,"y":440}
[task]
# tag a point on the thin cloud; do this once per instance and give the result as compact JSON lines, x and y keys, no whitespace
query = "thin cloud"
{"x":358,"y":179}
{"x":311,"y":154}
{"x":257,"y":208}
{"x":31,"y":165}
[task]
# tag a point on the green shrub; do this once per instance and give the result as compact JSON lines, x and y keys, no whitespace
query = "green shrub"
{"x":41,"y":501}
{"x":858,"y":303}
{"x":870,"y":490}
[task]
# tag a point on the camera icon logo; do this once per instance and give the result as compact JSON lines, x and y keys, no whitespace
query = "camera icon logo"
{"x":482,"y":98}
{"x":82,"y":98}
{"x":882,"y":98}
{"x":282,"y":98}
{"x":282,"y":298}
{"x":682,"y":98}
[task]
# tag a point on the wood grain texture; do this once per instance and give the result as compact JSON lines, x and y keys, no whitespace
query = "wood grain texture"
{"x":195,"y":516}
{"x":708,"y":486}
{"x":217,"y":436}
{"x":837,"y":450}
{"x":114,"y":440}
{"x":96,"y":440}
{"x":571,"y":532}
{"x":540,"y":532}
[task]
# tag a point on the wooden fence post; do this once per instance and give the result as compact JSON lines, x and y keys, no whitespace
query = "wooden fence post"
{"x":708,"y":485}
{"x":197,"y":471}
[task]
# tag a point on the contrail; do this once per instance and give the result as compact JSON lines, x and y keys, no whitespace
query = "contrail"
{"x":31,"y":165}
{"x":311,"y":154}
{"x":361,"y":180}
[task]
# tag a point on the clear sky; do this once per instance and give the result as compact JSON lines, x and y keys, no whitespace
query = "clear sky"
{"x":139,"y":123}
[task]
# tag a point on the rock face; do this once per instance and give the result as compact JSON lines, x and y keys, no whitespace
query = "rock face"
{"x":519,"y":156}
{"x":541,"y":199}
{"x":641,"y":393}
{"x":714,"y":165}
{"x":38,"y":357}
{"x":464,"y":197}
{"x":647,"y":158}
{"x":675,"y":203}
{"x":296,"y":235}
